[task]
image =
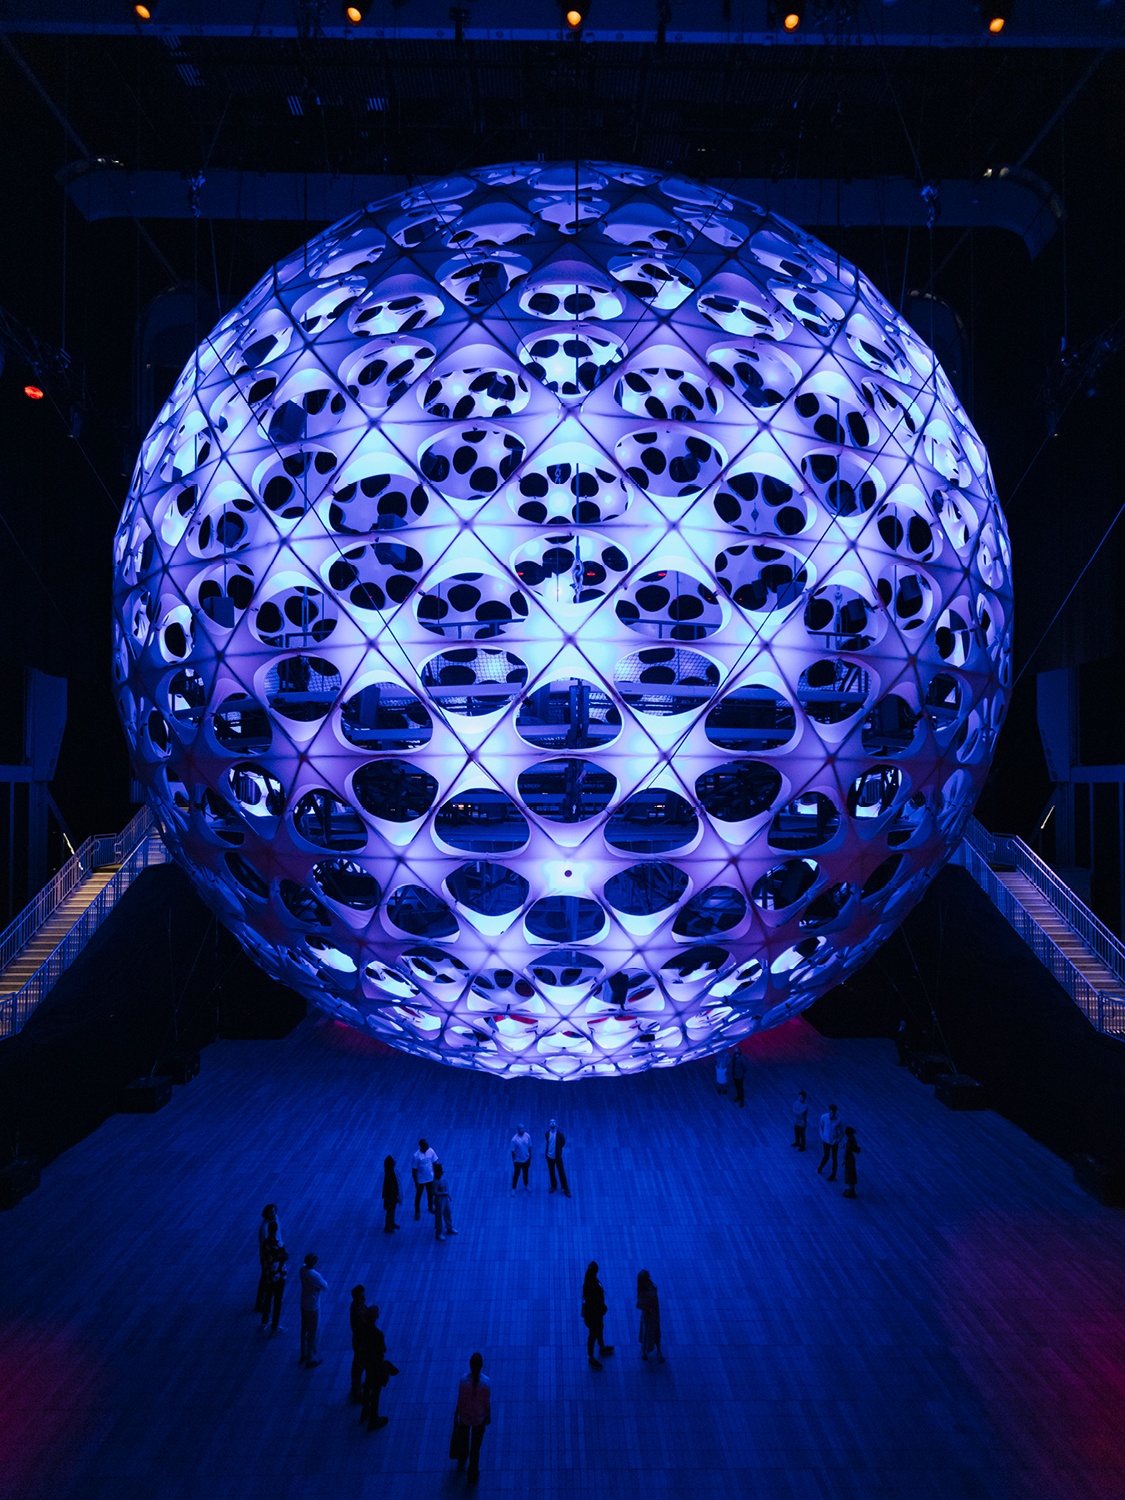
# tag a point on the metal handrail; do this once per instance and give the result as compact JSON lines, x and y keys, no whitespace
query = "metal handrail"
{"x":1104,"y":1009}
{"x":1009,"y":850}
{"x":17,"y":1007}
{"x":97,"y":852}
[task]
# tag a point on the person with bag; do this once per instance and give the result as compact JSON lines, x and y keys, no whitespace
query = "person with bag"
{"x":267,"y":1225}
{"x":593,"y":1315}
{"x":648,"y":1305}
{"x":392,"y":1194}
{"x":471,"y":1416}
{"x":851,"y":1151}
{"x":377,"y":1369}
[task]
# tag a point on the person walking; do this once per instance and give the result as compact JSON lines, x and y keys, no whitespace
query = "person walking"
{"x":377,"y":1370}
{"x":268,"y":1222}
{"x":312,"y":1284}
{"x":800,"y":1120}
{"x":851,"y":1151}
{"x":357,"y":1315}
{"x":521,"y":1157}
{"x":593,"y":1315}
{"x":555,"y":1169}
{"x":422,"y":1171}
{"x":443,"y":1214}
{"x":722,"y":1072}
{"x":392,"y":1195}
{"x":274,"y":1259}
{"x":738,"y":1076}
{"x":471,"y":1416}
{"x":648,"y":1304}
{"x":831,"y":1134}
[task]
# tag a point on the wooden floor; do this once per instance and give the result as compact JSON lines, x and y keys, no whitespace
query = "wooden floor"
{"x":958,"y":1333}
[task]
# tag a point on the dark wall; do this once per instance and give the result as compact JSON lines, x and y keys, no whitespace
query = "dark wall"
{"x":160,"y":973}
{"x":968,"y":986}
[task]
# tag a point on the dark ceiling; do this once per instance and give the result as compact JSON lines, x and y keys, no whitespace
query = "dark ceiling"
{"x":189,"y":103}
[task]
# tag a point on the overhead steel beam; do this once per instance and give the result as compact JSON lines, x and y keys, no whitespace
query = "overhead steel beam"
{"x":1016,"y":201}
{"x":892,"y":23}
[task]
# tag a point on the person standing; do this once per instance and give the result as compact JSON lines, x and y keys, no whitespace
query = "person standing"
{"x":422,"y":1171}
{"x":800,"y":1120}
{"x":851,"y":1151}
{"x":738,"y":1076}
{"x":648,"y":1304}
{"x":593,"y":1315}
{"x":377,"y":1369}
{"x":268,"y":1223}
{"x":357,"y":1314}
{"x":555,"y":1143}
{"x":722,"y":1072}
{"x":831,"y":1134}
{"x":392,"y":1195}
{"x":521,"y":1157}
{"x":443,"y":1214}
{"x":312,"y":1284}
{"x":275,"y":1273}
{"x":471,"y":1416}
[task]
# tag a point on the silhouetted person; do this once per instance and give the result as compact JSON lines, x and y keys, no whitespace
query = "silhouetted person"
{"x":851,"y":1151}
{"x":312,"y":1284}
{"x":722,"y":1072}
{"x":831,"y":1134}
{"x":443,"y":1212}
{"x":800,"y":1119}
{"x":521,"y":1157}
{"x":738,"y":1076}
{"x":357,"y":1314}
{"x":902,"y":1044}
{"x":471,"y":1416}
{"x":557,"y":1172}
{"x":392,"y":1195}
{"x":648,"y":1304}
{"x":274,"y":1258}
{"x":593,"y":1315}
{"x":376,"y":1369}
{"x":422,"y":1171}
{"x":269,"y":1219}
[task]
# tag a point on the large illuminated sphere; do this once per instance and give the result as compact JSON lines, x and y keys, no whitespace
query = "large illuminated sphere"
{"x":563,"y":619}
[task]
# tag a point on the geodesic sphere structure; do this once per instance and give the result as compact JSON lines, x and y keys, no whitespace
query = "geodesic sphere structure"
{"x":562,"y":619}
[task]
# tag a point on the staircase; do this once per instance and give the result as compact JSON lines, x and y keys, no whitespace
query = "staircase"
{"x":51,"y":932}
{"x":1079,"y":950}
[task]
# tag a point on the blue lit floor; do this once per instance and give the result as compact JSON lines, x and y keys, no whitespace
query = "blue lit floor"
{"x":958,"y":1333}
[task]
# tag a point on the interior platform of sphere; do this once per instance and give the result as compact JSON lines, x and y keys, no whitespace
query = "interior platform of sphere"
{"x":954,"y":1333}
{"x":563,"y":619}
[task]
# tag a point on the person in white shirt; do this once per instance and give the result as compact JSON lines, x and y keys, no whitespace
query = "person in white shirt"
{"x":831,"y":1134}
{"x":422,"y":1171}
{"x":521,"y":1157}
{"x":555,"y":1143}
{"x":312,"y":1284}
{"x":722,"y":1072}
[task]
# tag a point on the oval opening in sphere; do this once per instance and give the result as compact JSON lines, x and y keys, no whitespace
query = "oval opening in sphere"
{"x":348,"y":883}
{"x":646,"y":889}
{"x":414,"y":909}
{"x":751,"y":719}
{"x":738,"y":790}
{"x":665,"y":680}
{"x":394,"y":790}
{"x":568,"y":715}
{"x":651,"y":822}
{"x":242,"y":725}
{"x":385,"y":716}
{"x":566,"y":791}
{"x":473,"y":680}
{"x":327,"y":822}
{"x":565,"y":919}
{"x":302,"y":688}
{"x":807,"y":822}
{"x":492,"y":890}
{"x":716,"y":910}
{"x":482,"y":820}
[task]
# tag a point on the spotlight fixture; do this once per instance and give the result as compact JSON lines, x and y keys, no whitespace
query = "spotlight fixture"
{"x":792,"y":14}
{"x":996,"y":15}
{"x":144,"y":10}
{"x":574,"y":16}
{"x":33,"y":392}
{"x":355,"y":11}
